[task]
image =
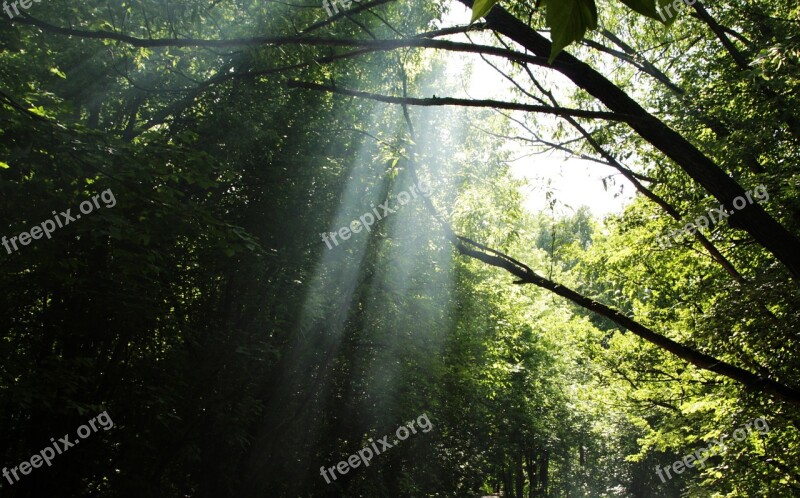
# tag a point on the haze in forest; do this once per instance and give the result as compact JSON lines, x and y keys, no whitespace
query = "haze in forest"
{"x":400,"y":249}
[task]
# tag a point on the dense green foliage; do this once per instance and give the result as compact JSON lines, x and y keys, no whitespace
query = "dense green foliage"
{"x":236,"y":354}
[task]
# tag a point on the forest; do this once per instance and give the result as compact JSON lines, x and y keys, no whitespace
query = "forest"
{"x":393,"y":248}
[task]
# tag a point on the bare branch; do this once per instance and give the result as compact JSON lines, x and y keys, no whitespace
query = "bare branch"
{"x":339,"y":15}
{"x":440,"y":101}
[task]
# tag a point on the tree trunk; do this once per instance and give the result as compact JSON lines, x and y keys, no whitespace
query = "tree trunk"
{"x":544,"y":471}
{"x":530,"y":464}
{"x":519,"y":477}
{"x":508,"y":481}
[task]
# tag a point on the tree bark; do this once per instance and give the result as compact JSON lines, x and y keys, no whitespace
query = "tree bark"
{"x":753,"y":218}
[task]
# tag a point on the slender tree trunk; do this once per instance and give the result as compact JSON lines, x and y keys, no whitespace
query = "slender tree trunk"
{"x":519,"y":476}
{"x":530,"y":464}
{"x":508,"y":481}
{"x":545,"y":471}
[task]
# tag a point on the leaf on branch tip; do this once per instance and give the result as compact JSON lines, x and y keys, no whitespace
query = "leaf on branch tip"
{"x":568,"y":21}
{"x":39,"y":111}
{"x":480,"y":8}
{"x":58,"y":72}
{"x":644,"y":7}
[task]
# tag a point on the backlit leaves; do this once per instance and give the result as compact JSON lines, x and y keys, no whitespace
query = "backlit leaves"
{"x":480,"y":8}
{"x":568,"y":21}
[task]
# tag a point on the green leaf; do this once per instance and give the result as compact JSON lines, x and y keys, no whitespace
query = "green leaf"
{"x":644,"y":7}
{"x":667,"y":12}
{"x":58,"y":72}
{"x":39,"y":111}
{"x":480,"y":8}
{"x":568,"y":21}
{"x":4,"y":165}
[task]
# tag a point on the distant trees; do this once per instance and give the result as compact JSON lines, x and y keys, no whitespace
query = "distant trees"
{"x":238,"y":353}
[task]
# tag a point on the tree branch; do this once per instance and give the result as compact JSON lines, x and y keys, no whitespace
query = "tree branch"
{"x":339,"y":15}
{"x":765,"y":229}
{"x":527,"y":276}
{"x":439,"y":101}
{"x":712,"y":23}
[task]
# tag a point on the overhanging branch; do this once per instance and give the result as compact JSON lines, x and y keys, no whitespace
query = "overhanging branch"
{"x":526,"y":275}
{"x":700,"y":360}
{"x":440,"y":101}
